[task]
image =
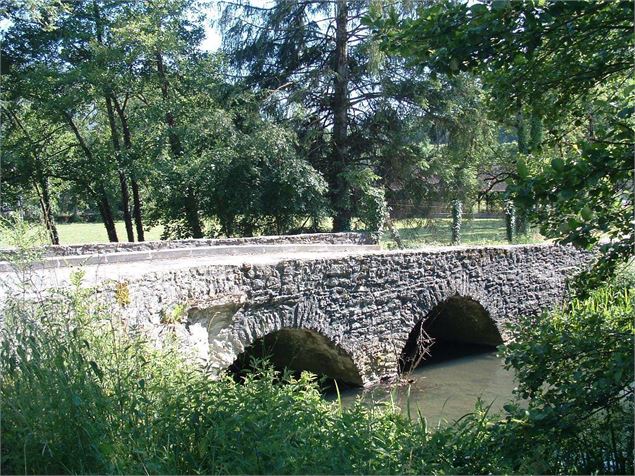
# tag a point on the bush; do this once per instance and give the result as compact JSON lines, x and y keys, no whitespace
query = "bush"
{"x":575,"y":368}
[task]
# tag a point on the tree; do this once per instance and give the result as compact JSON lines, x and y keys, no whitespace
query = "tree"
{"x":59,"y":64}
{"x":29,"y":145}
{"x":567,"y":66}
{"x":318,"y":62}
{"x":87,"y":66}
{"x":137,"y":107}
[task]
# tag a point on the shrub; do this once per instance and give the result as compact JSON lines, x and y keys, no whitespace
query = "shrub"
{"x":575,"y":368}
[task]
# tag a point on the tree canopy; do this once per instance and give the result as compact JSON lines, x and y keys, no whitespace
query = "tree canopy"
{"x":561,"y":71}
{"x":114,"y":107}
{"x":116,"y":103}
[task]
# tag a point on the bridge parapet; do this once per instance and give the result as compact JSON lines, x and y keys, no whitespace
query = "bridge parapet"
{"x":348,"y":238}
{"x":347,"y":310}
{"x":365,"y":305}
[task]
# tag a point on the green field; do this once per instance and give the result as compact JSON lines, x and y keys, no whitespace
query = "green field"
{"x":414,"y":233}
{"x":75,"y":233}
{"x":438,"y":231}
{"x":79,"y":233}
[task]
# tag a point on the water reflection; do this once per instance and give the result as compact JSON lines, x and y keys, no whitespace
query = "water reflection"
{"x":448,"y":384}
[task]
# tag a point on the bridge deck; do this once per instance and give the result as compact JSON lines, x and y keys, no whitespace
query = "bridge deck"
{"x":129,"y":265}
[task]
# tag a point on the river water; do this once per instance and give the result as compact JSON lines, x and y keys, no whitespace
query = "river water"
{"x":447,"y":385}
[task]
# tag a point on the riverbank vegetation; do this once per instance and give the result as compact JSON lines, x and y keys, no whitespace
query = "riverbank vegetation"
{"x":84,"y":393}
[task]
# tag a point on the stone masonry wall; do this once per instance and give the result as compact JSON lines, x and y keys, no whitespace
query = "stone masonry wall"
{"x":102,"y":248}
{"x":364,"y":304}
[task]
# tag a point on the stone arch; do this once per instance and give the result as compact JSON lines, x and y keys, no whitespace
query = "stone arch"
{"x":457,"y":318}
{"x":299,"y":335}
{"x":304,"y":349}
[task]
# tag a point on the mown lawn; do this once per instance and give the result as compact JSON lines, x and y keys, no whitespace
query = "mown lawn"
{"x":76,"y":233}
{"x":414,"y":233}
{"x":438,"y":231}
{"x":79,"y":233}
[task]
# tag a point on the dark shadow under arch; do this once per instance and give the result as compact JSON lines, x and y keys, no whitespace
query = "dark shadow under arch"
{"x":456,"y":320}
{"x":301,"y":349}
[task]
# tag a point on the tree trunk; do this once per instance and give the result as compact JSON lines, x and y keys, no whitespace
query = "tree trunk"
{"x":106,"y":214}
{"x":42,"y":188}
{"x":123,"y":181}
{"x":457,"y":217}
{"x":394,"y":231}
{"x":134,"y":184}
{"x":104,"y":205}
{"x":341,"y":189}
{"x":521,"y":128}
{"x":510,"y":220}
{"x":521,"y":225}
{"x":176,"y":149}
{"x":102,"y":198}
{"x":136,"y":209}
{"x":535,"y":133}
{"x":191,"y":211}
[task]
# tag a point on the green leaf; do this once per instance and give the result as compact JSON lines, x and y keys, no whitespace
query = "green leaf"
{"x":500,"y":4}
{"x":479,"y":9}
{"x":97,"y":370}
{"x":573,"y":223}
{"x":557,"y":164}
{"x":586,"y":213}
{"x":76,"y":400}
{"x":521,"y":167}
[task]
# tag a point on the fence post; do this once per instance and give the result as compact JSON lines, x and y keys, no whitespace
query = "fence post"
{"x":510,"y":220}
{"x":457,"y":214}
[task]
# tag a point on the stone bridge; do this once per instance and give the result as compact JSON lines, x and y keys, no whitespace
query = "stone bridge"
{"x":333,"y":303}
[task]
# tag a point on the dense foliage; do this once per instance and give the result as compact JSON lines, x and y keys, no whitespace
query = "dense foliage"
{"x":114,"y":105}
{"x":114,"y":109}
{"x":575,"y":369}
{"x":367,"y":121}
{"x":560,"y":72}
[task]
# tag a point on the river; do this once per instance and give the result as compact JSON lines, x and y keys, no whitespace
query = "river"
{"x":447,"y":385}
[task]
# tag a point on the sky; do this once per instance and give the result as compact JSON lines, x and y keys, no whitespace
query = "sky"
{"x":212,"y":33}
{"x":212,"y":39}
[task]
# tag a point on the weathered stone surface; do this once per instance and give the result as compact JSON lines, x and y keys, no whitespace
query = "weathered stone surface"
{"x":365,"y":304}
{"x":108,"y":248}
